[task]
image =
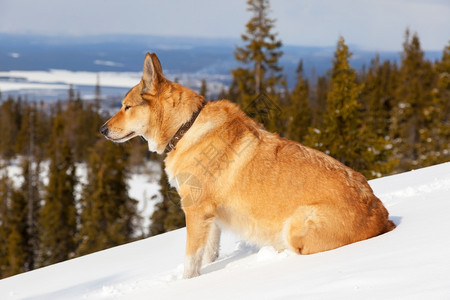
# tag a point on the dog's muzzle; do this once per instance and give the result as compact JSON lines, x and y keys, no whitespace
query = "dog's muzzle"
{"x":104,"y":130}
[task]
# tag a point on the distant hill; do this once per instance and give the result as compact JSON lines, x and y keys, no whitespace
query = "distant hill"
{"x":124,"y":53}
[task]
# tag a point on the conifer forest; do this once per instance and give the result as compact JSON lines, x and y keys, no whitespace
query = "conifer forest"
{"x":388,"y":117}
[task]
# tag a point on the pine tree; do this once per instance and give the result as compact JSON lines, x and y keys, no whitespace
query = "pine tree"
{"x":18,"y":247}
{"x":98,"y":95}
{"x":41,"y":132}
{"x":223,"y":93}
{"x":33,"y":132}
{"x":5,"y":201}
{"x":74,"y":119}
{"x":378,"y":98}
{"x":343,"y":135}
{"x":203,"y":89}
{"x":58,"y":214}
{"x":319,"y":100}
{"x":10,"y":120}
{"x":168,"y":214}
{"x":108,"y":215}
{"x":411,"y":121}
{"x":378,"y":95}
{"x":439,"y":113}
{"x":299,"y":110}
{"x":21,"y":219}
{"x":261,"y":74}
{"x":82,"y":122}
{"x":31,"y":195}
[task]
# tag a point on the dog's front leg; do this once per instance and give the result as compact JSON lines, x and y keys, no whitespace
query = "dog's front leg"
{"x":198,"y":226}
{"x":212,"y":245}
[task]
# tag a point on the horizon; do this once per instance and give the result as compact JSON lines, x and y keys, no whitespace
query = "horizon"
{"x":196,"y":41}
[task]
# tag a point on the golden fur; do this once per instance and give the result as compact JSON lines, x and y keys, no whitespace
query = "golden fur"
{"x":233,"y":174}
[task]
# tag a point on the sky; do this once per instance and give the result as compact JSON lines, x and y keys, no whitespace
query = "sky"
{"x":368,"y":24}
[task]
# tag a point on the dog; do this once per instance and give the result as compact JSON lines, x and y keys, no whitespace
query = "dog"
{"x":233,"y":174}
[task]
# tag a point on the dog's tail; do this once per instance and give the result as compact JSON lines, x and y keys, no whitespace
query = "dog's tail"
{"x":388,"y":227}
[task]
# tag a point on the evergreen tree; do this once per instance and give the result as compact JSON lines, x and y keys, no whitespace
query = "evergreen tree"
{"x":58,"y":214}
{"x":299,"y":111}
{"x":378,"y":98}
{"x":10,"y":120}
{"x":71,"y":93}
{"x":5,"y":200}
{"x":378,"y":95}
{"x":22,"y":232}
{"x":168,"y":214}
{"x":343,"y":135}
{"x":411,"y":119}
{"x":31,"y":195}
{"x":18,"y":247}
{"x":33,"y":133}
{"x":223,"y":93}
{"x":108,"y":215}
{"x":319,"y":100}
{"x":98,"y":95}
{"x":74,"y":117}
{"x":261,"y":74}
{"x":439,"y":113}
{"x":82,"y":121}
{"x":203,"y":89}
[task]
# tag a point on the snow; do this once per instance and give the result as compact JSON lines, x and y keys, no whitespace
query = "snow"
{"x":60,"y":79}
{"x":49,"y":82}
{"x":411,"y":262}
{"x":145,"y":189}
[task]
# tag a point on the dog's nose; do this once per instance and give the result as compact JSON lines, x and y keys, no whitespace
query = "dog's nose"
{"x":104,"y":130}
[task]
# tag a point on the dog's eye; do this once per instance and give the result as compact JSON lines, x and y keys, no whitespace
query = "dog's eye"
{"x":127,"y":107}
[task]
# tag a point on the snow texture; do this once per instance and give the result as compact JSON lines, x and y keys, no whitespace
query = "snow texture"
{"x":411,"y":262}
{"x":60,"y":79}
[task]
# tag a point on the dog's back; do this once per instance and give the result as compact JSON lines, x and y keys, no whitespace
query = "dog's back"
{"x":277,"y":192}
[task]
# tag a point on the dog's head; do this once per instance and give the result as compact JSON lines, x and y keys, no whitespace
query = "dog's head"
{"x":154,"y":109}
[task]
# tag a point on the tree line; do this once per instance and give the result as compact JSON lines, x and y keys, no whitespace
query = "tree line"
{"x":387,"y":118}
{"x":45,"y":220}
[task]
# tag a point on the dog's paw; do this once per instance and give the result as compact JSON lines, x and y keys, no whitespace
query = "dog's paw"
{"x":210,"y":257}
{"x":190,"y":274}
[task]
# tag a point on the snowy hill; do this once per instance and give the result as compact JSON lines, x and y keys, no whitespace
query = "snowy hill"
{"x":411,"y":262}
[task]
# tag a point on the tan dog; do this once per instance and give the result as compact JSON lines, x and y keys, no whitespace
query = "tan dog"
{"x":231,"y":173}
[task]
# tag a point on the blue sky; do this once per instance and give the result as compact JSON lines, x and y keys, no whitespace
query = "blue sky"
{"x":369,"y":24}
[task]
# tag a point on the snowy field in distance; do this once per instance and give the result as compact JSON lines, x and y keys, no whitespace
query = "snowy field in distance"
{"x":15,"y":80}
{"x":53,"y":84}
{"x":411,"y":262}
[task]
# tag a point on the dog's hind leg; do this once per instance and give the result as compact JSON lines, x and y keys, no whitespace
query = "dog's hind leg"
{"x":296,"y":229}
{"x":315,"y":229}
{"x":198,"y":227}
{"x":212,"y":245}
{"x":302,"y":231}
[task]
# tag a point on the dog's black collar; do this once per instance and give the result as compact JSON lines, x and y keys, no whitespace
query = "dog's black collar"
{"x":183,"y":129}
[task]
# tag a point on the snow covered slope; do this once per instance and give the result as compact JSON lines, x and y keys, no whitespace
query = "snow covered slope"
{"x":411,"y":262}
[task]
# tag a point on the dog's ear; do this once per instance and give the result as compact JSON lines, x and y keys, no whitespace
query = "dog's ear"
{"x":151,"y":73}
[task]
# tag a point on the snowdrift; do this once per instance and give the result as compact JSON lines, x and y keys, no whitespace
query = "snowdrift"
{"x":411,"y":262}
